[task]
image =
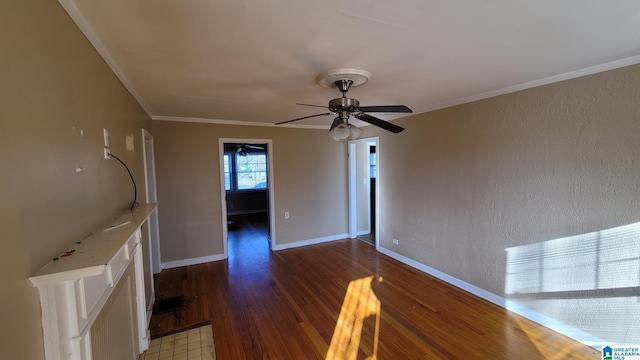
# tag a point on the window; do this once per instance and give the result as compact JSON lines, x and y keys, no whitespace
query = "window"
{"x":251,"y":171}
{"x":372,"y":162}
{"x":227,"y":172}
{"x":245,"y":172}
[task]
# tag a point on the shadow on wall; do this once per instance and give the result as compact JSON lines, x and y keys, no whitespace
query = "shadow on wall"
{"x":589,"y":281}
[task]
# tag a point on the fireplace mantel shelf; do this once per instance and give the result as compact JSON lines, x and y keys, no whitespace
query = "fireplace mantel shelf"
{"x":74,"y":286}
{"x":92,"y":254}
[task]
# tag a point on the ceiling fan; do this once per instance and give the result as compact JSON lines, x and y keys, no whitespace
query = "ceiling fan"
{"x":244,"y":149}
{"x":344,"y":107}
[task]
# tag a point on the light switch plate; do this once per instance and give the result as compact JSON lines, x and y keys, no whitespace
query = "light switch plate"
{"x":130,"y":142}
{"x":105,"y":134}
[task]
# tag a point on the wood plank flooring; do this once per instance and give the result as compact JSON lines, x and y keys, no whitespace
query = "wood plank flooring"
{"x":344,"y":300}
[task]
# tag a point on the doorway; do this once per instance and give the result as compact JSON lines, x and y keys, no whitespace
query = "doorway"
{"x":151,"y":232}
{"x":247,"y":195}
{"x":363,"y":190}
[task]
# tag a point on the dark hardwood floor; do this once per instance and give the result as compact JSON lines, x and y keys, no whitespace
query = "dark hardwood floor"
{"x":343,"y":300}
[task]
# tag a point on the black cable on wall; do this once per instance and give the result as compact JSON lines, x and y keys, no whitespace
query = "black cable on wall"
{"x":135,"y":188}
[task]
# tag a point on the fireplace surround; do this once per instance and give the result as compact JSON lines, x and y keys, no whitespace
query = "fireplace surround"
{"x":104,"y":271}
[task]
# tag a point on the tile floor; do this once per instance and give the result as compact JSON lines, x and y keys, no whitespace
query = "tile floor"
{"x":194,"y":344}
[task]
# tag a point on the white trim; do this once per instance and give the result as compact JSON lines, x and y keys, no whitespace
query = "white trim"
{"x":510,"y":305}
{"x":270,"y":182}
{"x":315,"y":241}
{"x":353,"y":206}
{"x":151,"y":185}
{"x":553,"y":324}
{"x":193,"y":261}
{"x":71,"y":303}
{"x":235,"y":122}
{"x":535,"y":83}
{"x":223,"y":200}
{"x":141,"y":299}
{"x":353,"y":202}
{"x":444,"y":277}
{"x":77,"y":16}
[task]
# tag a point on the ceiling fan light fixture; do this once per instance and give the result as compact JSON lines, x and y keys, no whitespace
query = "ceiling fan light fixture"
{"x":354,"y":132}
{"x":340,"y":132}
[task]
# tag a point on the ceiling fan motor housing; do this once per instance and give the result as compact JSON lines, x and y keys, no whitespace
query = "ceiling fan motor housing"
{"x":344,"y":104}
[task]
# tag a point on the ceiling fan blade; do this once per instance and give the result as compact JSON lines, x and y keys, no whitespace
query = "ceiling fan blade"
{"x":386,"y":109}
{"x":379,"y":122}
{"x":302,"y":118}
{"x":321,"y":106}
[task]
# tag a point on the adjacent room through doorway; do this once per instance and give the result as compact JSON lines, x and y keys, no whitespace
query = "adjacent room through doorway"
{"x":370,"y":237}
{"x":247,"y":197}
{"x":363,"y":190}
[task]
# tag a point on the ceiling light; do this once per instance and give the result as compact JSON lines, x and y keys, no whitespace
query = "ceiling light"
{"x":354,"y":132}
{"x":339,"y":131}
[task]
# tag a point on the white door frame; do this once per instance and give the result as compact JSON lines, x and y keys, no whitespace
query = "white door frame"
{"x":353,"y":206}
{"x":151,"y":197}
{"x":270,"y":182}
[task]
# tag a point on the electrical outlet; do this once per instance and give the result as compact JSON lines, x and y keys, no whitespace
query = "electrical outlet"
{"x":396,"y":242}
{"x":106,"y":153}
{"x":286,"y":214}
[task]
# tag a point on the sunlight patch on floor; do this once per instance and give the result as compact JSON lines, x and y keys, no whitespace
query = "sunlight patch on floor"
{"x":359,"y":303}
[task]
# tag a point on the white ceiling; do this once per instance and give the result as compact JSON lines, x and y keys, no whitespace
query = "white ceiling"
{"x":253,"y":60}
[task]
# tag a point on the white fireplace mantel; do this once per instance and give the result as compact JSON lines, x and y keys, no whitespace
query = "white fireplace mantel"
{"x":74,"y":286}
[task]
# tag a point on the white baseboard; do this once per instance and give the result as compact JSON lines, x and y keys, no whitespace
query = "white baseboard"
{"x":295,"y":244}
{"x":510,"y":305}
{"x":192,"y":261}
{"x":217,"y":257}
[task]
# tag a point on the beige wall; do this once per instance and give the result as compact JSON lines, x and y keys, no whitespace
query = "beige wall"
{"x":457,"y":188}
{"x":53,"y":81}
{"x":310,"y":172}
{"x":463,"y":184}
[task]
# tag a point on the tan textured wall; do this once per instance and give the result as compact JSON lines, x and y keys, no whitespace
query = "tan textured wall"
{"x":310,"y":172}
{"x":53,"y":81}
{"x":463,"y":184}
